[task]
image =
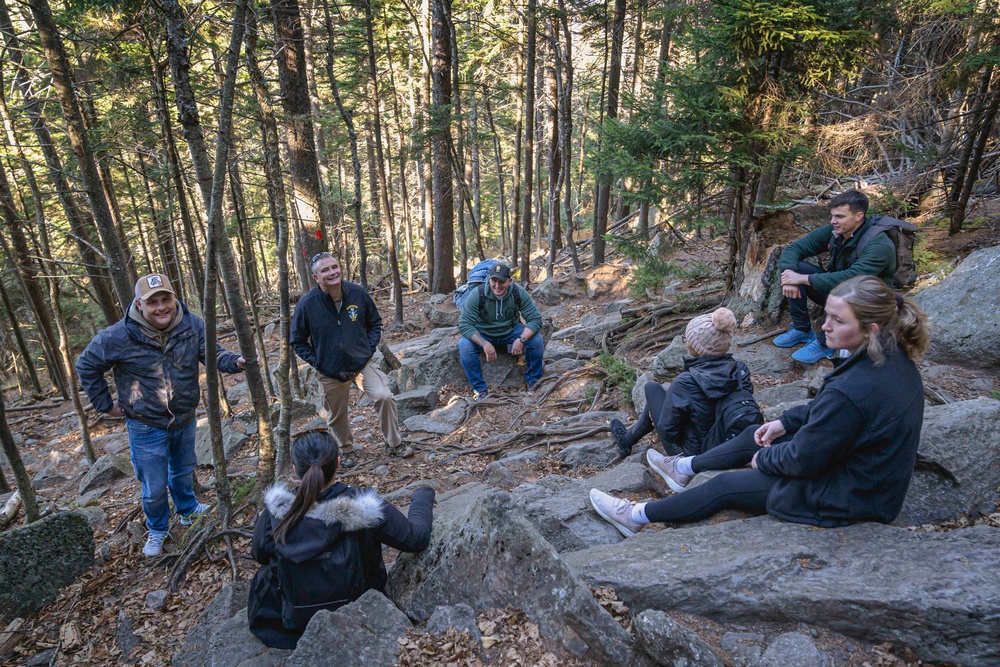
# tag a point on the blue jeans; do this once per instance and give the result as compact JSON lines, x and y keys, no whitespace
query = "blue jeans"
{"x":798,"y":308}
{"x":163,"y":459}
{"x":468,"y":352}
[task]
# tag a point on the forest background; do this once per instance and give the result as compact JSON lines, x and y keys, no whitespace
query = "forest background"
{"x":224,"y":144}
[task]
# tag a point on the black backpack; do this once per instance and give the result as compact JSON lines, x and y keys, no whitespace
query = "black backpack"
{"x":329,"y":581}
{"x":733,"y":414}
{"x":902,"y":234}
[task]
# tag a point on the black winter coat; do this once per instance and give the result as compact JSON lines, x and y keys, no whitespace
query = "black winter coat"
{"x":339,"y":509}
{"x":338,"y":345}
{"x":689,"y":407}
{"x":853,"y":447}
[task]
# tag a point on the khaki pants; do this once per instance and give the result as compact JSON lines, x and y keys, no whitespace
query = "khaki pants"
{"x":375,"y":384}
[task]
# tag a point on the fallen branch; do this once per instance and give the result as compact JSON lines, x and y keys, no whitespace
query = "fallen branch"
{"x":10,"y":510}
{"x":757,"y":339}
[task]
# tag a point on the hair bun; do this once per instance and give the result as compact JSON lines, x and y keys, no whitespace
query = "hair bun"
{"x":724,"y":320}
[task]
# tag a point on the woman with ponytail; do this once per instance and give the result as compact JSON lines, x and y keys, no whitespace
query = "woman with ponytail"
{"x":846,"y":456}
{"x":321,"y":547}
{"x":684,"y":414}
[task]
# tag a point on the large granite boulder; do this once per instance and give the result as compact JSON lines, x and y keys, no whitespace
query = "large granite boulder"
{"x":670,"y":644}
{"x":364,"y":633}
{"x":936,"y":593}
{"x":559,"y":507}
{"x":39,"y":559}
{"x":958,"y":470}
{"x":232,"y":439}
{"x":486,"y":554}
{"x":443,"y":420}
{"x":433,"y":360}
{"x":782,"y":393}
{"x":105,"y":470}
{"x":670,"y":361}
{"x":964,"y":311}
{"x":416,"y":401}
{"x":441,"y":311}
{"x":196,"y":651}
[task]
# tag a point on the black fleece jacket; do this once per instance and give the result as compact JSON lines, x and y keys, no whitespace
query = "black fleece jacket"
{"x":338,"y":510}
{"x":689,"y":407}
{"x":338,"y":345}
{"x":853,"y":447}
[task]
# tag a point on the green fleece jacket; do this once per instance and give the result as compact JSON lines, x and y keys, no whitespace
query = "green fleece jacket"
{"x":501,"y":313}
{"x":878,"y":258}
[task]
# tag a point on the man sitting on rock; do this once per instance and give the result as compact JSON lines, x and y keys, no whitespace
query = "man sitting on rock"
{"x":491,"y":317}
{"x":154,"y":353}
{"x":801,"y":280}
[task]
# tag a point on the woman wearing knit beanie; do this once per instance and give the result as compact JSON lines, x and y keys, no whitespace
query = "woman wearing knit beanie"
{"x":684,"y":415}
{"x":845,"y":457}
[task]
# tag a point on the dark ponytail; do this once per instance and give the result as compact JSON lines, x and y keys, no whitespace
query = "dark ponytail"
{"x":314,"y":456}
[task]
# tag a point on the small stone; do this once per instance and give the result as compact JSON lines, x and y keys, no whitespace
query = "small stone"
{"x":156,"y":599}
{"x":382,"y":470}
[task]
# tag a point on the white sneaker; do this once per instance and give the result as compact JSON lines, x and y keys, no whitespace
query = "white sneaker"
{"x":188,"y":519}
{"x":154,"y":543}
{"x":617,"y":512}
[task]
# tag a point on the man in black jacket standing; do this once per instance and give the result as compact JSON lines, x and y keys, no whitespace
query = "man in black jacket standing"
{"x":336,"y":329}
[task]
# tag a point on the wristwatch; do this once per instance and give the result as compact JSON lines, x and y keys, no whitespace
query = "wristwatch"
{"x":523,"y":341}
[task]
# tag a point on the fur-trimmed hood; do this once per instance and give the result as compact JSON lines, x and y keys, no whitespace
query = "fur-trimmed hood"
{"x":339,"y":509}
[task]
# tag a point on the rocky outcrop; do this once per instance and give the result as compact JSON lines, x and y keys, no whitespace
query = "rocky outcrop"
{"x":432,"y":360}
{"x":196,"y":651}
{"x":232,"y":439}
{"x":39,"y":559}
{"x":670,"y":644}
{"x":670,"y":361}
{"x":105,"y":470}
{"x":782,"y":393}
{"x":958,"y":469}
{"x":416,"y":401}
{"x":364,"y":633}
{"x":936,"y":593}
{"x":560,"y":510}
{"x":590,"y":330}
{"x":486,"y":554}
{"x":964,"y":312}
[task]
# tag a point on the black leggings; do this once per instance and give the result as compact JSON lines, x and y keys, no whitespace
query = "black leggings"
{"x":744,"y":490}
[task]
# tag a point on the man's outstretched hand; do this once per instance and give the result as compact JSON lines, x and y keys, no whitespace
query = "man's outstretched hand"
{"x":491,"y":352}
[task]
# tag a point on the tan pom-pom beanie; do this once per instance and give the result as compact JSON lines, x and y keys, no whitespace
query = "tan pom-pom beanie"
{"x":711,"y":334}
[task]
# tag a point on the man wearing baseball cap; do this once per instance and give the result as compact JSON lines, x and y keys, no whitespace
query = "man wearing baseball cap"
{"x":491,"y":319}
{"x":153,"y":353}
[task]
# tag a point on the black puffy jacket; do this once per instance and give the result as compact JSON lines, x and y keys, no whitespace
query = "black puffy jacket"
{"x":338,"y":509}
{"x":853,"y":447}
{"x":689,"y":407}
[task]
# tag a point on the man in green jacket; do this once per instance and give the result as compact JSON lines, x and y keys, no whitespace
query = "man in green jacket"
{"x":491,"y":318}
{"x":801,"y":280}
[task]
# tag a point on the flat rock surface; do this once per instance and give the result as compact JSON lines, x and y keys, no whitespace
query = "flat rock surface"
{"x":937,"y":593}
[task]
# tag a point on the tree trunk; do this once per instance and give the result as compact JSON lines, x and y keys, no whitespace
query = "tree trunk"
{"x":175,"y":171}
{"x":22,"y":345}
{"x":564,"y":79}
{"x":352,"y":136}
{"x":959,"y":209}
{"x":614,"y":82}
{"x":215,"y":242}
{"x":117,"y":260}
{"x":17,"y":466}
{"x":383,"y":187}
{"x":443,"y":280}
{"x":529,"y":143}
{"x":279,"y":215}
{"x":498,"y":158}
{"x":303,"y":165}
{"x":29,"y":280}
{"x":188,"y":108}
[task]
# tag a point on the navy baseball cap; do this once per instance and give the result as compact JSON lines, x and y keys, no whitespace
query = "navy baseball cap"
{"x":500,"y":272}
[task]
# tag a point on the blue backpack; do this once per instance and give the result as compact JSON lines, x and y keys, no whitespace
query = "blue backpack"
{"x":477,"y":276}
